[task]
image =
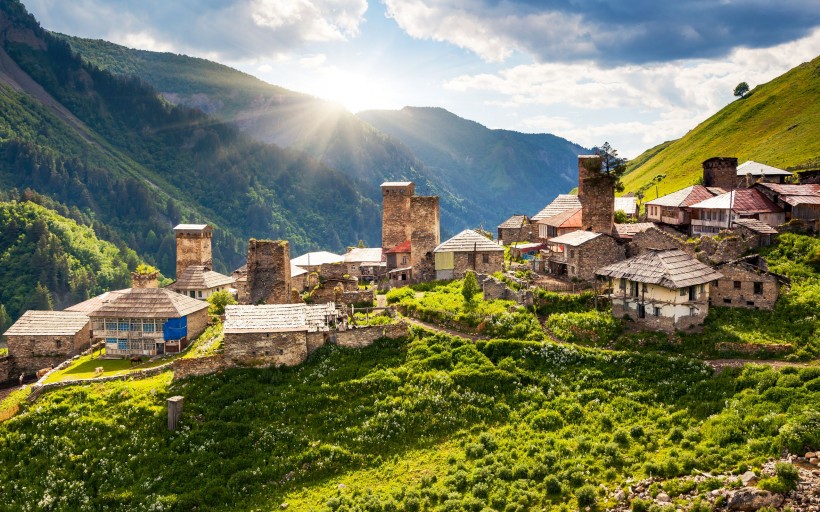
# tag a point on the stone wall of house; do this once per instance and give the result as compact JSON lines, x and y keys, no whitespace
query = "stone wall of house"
{"x":358,"y":297}
{"x":365,"y":336}
{"x":597,"y":196}
{"x":145,"y":280}
{"x":195,"y":366}
{"x":396,"y":214}
{"x":337,"y":271}
{"x":720,"y":172}
{"x":197,"y":323}
{"x":333,"y":290}
{"x":583,"y":261}
{"x":266,"y":349}
{"x":461,"y":263}
{"x":736,"y":288}
{"x":32,"y":353}
{"x":654,"y":238}
{"x":425,"y":231}
{"x":6,"y":368}
{"x":194,"y":249}
{"x":496,"y":289}
{"x":316,"y":340}
{"x":659,"y":323}
{"x":526,"y":233}
{"x":268,"y":272}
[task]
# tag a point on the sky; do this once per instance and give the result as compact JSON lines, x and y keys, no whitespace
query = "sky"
{"x":634,"y":73}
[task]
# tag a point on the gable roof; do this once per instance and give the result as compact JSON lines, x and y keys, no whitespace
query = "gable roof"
{"x":401,"y":248}
{"x":514,"y":222}
{"x":48,"y":323}
{"x":575,"y":238}
{"x":807,"y":189}
{"x":196,"y":277}
{"x":468,"y":241}
{"x":363,"y":255}
{"x":627,"y":231}
{"x":758,"y":169}
{"x":147,"y":303}
{"x":314,"y":259}
{"x":93,"y":303}
{"x":567,"y":219}
{"x":756,"y":226}
{"x":671,"y":269}
{"x":742,"y":200}
{"x":684,"y":197}
{"x":278,"y":318}
{"x":561,"y":203}
{"x":294,"y":271}
{"x":626,"y":204}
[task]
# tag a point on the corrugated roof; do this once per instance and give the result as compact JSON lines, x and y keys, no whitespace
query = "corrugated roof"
{"x":797,"y":200}
{"x":278,"y":318}
{"x":756,"y":225}
{"x":743,"y":200}
{"x":403,"y":247}
{"x":626,"y":231}
{"x":364,"y":255}
{"x":147,"y":303}
{"x":671,"y":269}
{"x":758,"y":169}
{"x":575,"y":238}
{"x":568,"y":219}
{"x":48,"y":323}
{"x":560,"y":204}
{"x":468,"y":241}
{"x":684,"y":197}
{"x":514,"y":222}
{"x":626,"y":204}
{"x":312,"y":259}
{"x":196,"y":277}
{"x":808,"y":189}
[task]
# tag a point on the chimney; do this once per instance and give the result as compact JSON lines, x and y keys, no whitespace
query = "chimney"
{"x":597,"y":196}
{"x":720,"y":172}
{"x":193,"y":246}
{"x":149,"y":280}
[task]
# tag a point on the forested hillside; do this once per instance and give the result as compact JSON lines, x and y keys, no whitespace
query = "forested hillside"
{"x":112,"y":148}
{"x":776,"y":124}
{"x":50,"y":262}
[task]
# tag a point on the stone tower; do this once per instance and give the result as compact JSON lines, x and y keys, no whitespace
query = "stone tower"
{"x":269,"y":272}
{"x":193,"y":246}
{"x":597,"y":196}
{"x":425,"y":232}
{"x":720,"y":172}
{"x":396,"y":212}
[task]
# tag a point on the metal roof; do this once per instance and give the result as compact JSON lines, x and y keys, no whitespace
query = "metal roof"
{"x":798,"y":200}
{"x":313,"y":259}
{"x":196,"y":277}
{"x":809,"y":189}
{"x":575,"y":238}
{"x":671,"y":269}
{"x":364,"y":255}
{"x":396,"y":183}
{"x":468,"y":241}
{"x":48,"y":323}
{"x":684,"y":197}
{"x":147,"y":303}
{"x":626,"y":204}
{"x":403,"y":247}
{"x":560,"y":204}
{"x":295,"y":271}
{"x":743,"y":200}
{"x":758,"y":169}
{"x":192,"y":228}
{"x":567,"y":219}
{"x":278,"y":318}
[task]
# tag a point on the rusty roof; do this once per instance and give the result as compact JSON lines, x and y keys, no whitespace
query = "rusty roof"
{"x":468,"y":241}
{"x":742,"y":200}
{"x":568,"y":219}
{"x":48,"y":323}
{"x":807,"y":189}
{"x":147,"y":303}
{"x":197,"y":277}
{"x":403,"y":247}
{"x":560,"y":204}
{"x":278,"y":318}
{"x":671,"y":269}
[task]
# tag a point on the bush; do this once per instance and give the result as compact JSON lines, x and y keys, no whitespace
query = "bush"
{"x":586,"y":496}
{"x":469,"y":288}
{"x":639,"y":505}
{"x":218,"y":300}
{"x":594,"y":327}
{"x":397,"y":294}
{"x":787,"y":472}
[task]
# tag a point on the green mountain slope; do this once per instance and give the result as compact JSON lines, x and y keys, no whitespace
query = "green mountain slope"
{"x":110,"y":147}
{"x":48,"y":261}
{"x":777,"y":124}
{"x":527,"y":170}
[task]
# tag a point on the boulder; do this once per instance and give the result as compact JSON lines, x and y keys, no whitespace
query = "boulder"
{"x":748,"y":478}
{"x":662,"y":497}
{"x":750,"y":499}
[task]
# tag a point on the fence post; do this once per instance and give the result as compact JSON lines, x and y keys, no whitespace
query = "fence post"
{"x":174,"y":412}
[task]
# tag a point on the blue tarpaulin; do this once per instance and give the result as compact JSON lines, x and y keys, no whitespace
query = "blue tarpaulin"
{"x":175,"y":329}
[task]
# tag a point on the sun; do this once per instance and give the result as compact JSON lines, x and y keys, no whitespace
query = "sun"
{"x":354,"y":91}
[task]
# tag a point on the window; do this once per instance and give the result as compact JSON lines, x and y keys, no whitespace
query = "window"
{"x":750,"y":303}
{"x":737,"y":285}
{"x":572,"y":253}
{"x":758,"y":288}
{"x":693,"y":293}
{"x":123,"y":325}
{"x":656,"y":311}
{"x":404,"y":260}
{"x":58,"y":343}
{"x":691,"y":311}
{"x":110,"y":341}
{"x":641,"y":311}
{"x":623,"y":284}
{"x":727,"y":301}
{"x":147,"y":326}
{"x":633,"y":289}
{"x":471,"y":258}
{"x":683,"y":292}
{"x":485,"y":258}
{"x":192,"y":294}
{"x":122,"y":344}
{"x":199,"y":294}
{"x":110,"y":325}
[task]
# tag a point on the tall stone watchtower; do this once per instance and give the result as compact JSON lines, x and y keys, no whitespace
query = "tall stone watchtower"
{"x":596,"y":194}
{"x":193,"y":246}
{"x":396,"y":226}
{"x":720,"y":172}
{"x":425,"y":232}
{"x":269,"y":272}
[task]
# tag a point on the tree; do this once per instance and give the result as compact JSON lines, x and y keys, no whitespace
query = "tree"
{"x":608,"y":165}
{"x":470,"y":286}
{"x":361,"y":244}
{"x":741,"y":90}
{"x":218,"y":301}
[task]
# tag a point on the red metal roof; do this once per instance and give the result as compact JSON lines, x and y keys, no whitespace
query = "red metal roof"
{"x":403,"y":247}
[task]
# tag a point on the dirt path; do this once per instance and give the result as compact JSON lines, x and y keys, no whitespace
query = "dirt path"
{"x":443,"y":330}
{"x":719,"y":364}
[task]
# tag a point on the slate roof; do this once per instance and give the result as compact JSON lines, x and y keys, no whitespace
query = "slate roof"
{"x":568,"y":219}
{"x":147,"y":303}
{"x":743,"y":200}
{"x":94,"y":302}
{"x":242,"y":272}
{"x":278,"y":318}
{"x":684,"y":197}
{"x":671,"y":269}
{"x":626,"y":204}
{"x":514,"y":222}
{"x":401,"y":248}
{"x":560,"y":204}
{"x":627,"y":231}
{"x":313,"y":259}
{"x":468,"y":241}
{"x":756,"y":226}
{"x":364,"y":255}
{"x":48,"y":323}
{"x":575,"y":238}
{"x":196,"y":277}
{"x":758,"y":169}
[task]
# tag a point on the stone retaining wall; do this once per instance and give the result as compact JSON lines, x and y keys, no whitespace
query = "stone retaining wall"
{"x":365,"y":336}
{"x":6,"y":364}
{"x":195,"y":366}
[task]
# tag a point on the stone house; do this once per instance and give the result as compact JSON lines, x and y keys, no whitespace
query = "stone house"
{"x":276,"y":334}
{"x":397,"y":260}
{"x":467,"y":250}
{"x":654,"y":238}
{"x":720,"y":172}
{"x":560,"y":224}
{"x":195,"y":276}
{"x":199,"y":283}
{"x":144,"y":321}
{"x":672,"y":209}
{"x":757,"y":233}
{"x":298,"y":278}
{"x":312,"y":261}
{"x":746,"y":283}
{"x":516,"y":229}
{"x":367,"y":264}
{"x":628,"y":231}
{"x":579,"y":254}
{"x":43,"y":339}
{"x":717,"y":213}
{"x":751,"y":172}
{"x":559,"y":205}
{"x":664,"y":290}
{"x":800,"y":202}
{"x":298,"y":281}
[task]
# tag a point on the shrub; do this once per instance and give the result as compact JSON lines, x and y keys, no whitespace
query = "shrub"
{"x":596,"y":327}
{"x":639,"y":505}
{"x":218,"y":300}
{"x":787,"y":472}
{"x":552,"y":485}
{"x":397,"y":294}
{"x":547,"y":421}
{"x":586,"y":496}
{"x":469,"y":288}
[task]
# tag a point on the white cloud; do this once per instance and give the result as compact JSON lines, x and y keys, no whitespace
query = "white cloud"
{"x":317,"y":20}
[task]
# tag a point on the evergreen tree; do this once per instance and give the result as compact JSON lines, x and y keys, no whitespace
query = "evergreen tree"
{"x":41,"y":299}
{"x":470,"y":286}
